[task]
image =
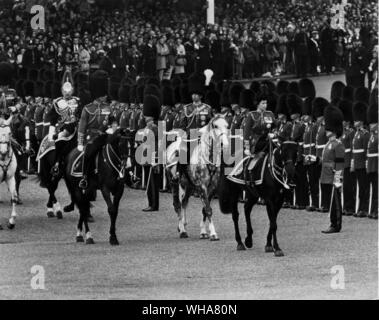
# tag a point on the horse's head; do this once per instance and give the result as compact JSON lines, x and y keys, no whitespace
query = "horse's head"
{"x":5,"y":144}
{"x":288,"y":155}
{"x":218,"y":129}
{"x":119,"y":142}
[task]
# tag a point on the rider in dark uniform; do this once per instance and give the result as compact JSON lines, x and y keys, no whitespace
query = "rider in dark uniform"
{"x":93,"y":123}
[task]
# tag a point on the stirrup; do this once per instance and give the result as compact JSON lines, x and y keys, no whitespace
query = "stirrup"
{"x":55,"y":169}
{"x":83,"y":184}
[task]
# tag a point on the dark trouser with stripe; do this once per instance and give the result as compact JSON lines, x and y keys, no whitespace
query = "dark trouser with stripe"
{"x":349,"y":190}
{"x":363,"y":189}
{"x":313,"y":173}
{"x":373,"y":181}
{"x":336,"y":208}
{"x":301,"y":190}
{"x":153,"y":187}
{"x":326,"y":195}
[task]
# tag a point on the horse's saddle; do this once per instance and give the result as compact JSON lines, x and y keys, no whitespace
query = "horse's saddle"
{"x":45,"y":147}
{"x":76,"y":169}
{"x":249,"y":168}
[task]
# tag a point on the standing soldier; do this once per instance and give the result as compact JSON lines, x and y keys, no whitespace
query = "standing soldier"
{"x":151,"y":112}
{"x":356,"y":64}
{"x":372,"y":159}
{"x":332,"y":166}
{"x":93,"y":123}
{"x":63,"y":119}
{"x":318,"y":106}
{"x":349,"y":185}
{"x":358,"y":162}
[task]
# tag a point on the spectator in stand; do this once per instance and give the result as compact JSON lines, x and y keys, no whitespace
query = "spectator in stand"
{"x":162,"y":56}
{"x":180,"y":59}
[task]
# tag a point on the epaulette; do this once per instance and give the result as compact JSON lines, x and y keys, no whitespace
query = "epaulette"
{"x":91,"y":108}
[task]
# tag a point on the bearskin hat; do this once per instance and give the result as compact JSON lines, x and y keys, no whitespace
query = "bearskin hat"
{"x":293,"y":88}
{"x":247,"y":99}
{"x":177,"y":96}
{"x":374,"y":97}
{"x":307,"y":88}
{"x":113,"y":90}
{"x":152,"y":80}
{"x":47,"y":89}
{"x":269,"y":85}
{"x":133,"y":94}
{"x":167,"y":96}
{"x":33,"y":75}
{"x":348,"y":93}
{"x":151,"y":89}
{"x":372,"y":114}
{"x":56,"y":90}
{"x":307,"y":107}
{"x":360,"y":111}
{"x":318,"y":106}
{"x":235,"y":92}
{"x":98,"y":84}
{"x":84,"y":96}
{"x":140,"y":81}
{"x":124,"y":94}
{"x":185,"y":96}
{"x":255,"y":86}
{"x":196,"y":84}
{"x":23,"y":73}
{"x":212,"y":98}
{"x":224,"y":100}
{"x":336,"y":91}
{"x":220,"y":86}
{"x":6,"y":73}
{"x":29,"y":88}
{"x":20,"y":88}
{"x":282,"y":87}
{"x":346,"y":108}
{"x":165,"y":83}
{"x":140,"y":92}
{"x":362,"y":94}
{"x":333,"y":120}
{"x":151,"y":106}
{"x":38,"y":89}
{"x":281,"y":105}
{"x":294,"y":104}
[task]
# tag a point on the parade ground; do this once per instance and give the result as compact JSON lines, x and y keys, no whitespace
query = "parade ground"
{"x":153,"y":263}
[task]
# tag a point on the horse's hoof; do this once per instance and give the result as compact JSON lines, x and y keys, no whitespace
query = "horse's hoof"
{"x":19,"y":202}
{"x":69,"y":208}
{"x":50,"y":214}
{"x":249,"y":243}
{"x":90,"y":219}
{"x":113,"y":241}
{"x":269,"y":249}
{"x":183,"y":235}
{"x":204,"y":236}
{"x":79,"y":239}
{"x":240,"y":247}
{"x":11,"y":226}
{"x":90,"y":241}
{"x":59,"y":215}
{"x":278,"y":253}
{"x":214,"y":237}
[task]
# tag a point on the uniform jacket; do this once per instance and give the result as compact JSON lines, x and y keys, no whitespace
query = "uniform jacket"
{"x":321,"y":139}
{"x":347,"y":141}
{"x":195,"y":116}
{"x":372,"y":152}
{"x":332,"y":160}
{"x":309,"y":142}
{"x":38,"y":119}
{"x":64,"y":111}
{"x":359,"y":149}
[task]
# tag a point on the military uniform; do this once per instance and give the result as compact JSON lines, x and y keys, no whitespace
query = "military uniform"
{"x":38,"y":120}
{"x":8,"y":98}
{"x":372,"y":170}
{"x":321,"y":141}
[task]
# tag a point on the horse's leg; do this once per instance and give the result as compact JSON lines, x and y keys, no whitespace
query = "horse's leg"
{"x":183,"y":193}
{"x":11,"y":182}
{"x":248,"y":206}
{"x":272,"y":215}
{"x":116,"y":203}
{"x":235,"y":216}
{"x":79,"y":234}
{"x":56,"y":205}
{"x":50,"y":204}
{"x":70,"y":207}
{"x":86,"y":212}
{"x":111,"y":211}
{"x":203,"y":227}
{"x":208,"y":210}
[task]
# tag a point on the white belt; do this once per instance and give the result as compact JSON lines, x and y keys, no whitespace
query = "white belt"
{"x":46,"y":123}
{"x":321,"y":146}
{"x":39,"y":124}
{"x":372,"y":155}
{"x":347,"y":150}
{"x":301,"y":143}
{"x":309,"y":145}
{"x":358,"y":150}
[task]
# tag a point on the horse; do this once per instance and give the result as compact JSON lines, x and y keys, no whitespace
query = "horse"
{"x":8,"y":167}
{"x":111,"y":167}
{"x":49,"y":178}
{"x":277,"y":173}
{"x":201,"y":175}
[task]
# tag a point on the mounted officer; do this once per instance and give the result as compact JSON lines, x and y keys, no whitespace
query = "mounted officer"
{"x":93,"y":123}
{"x":63,"y":118}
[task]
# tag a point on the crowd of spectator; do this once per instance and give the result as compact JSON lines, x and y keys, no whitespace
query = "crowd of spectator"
{"x":249,"y":39}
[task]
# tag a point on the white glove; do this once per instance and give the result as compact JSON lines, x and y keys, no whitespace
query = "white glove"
{"x":271,"y":135}
{"x":247,"y":152}
{"x":337,"y":182}
{"x":27,"y":147}
{"x":51,"y":133}
{"x":80,"y":148}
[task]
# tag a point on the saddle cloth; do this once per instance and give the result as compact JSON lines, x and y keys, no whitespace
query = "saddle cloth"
{"x":76,"y":169}
{"x":246,"y":165}
{"x":47,"y":145}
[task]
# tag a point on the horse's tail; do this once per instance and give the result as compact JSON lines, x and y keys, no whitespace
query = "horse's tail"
{"x":224,"y":194}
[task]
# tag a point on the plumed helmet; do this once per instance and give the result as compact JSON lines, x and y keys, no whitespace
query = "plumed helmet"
{"x":67,"y":84}
{"x":124,"y":93}
{"x":6,"y":73}
{"x":360,"y":112}
{"x":333,"y":120}
{"x":98,"y":84}
{"x":294,"y":104}
{"x":282,"y":87}
{"x":307,"y":88}
{"x":212,"y":98}
{"x":372,"y":114}
{"x":318,"y":106}
{"x":348,"y":93}
{"x":247,"y":99}
{"x":151,"y":106}
{"x":196,"y":84}
{"x":346,"y":108}
{"x":336,"y":92}
{"x":362,"y":94}
{"x":167,"y":96}
{"x":234,"y":92}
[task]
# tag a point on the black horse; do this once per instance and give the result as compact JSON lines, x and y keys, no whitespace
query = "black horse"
{"x":49,"y":178}
{"x":277,"y":175}
{"x":112,"y":171}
